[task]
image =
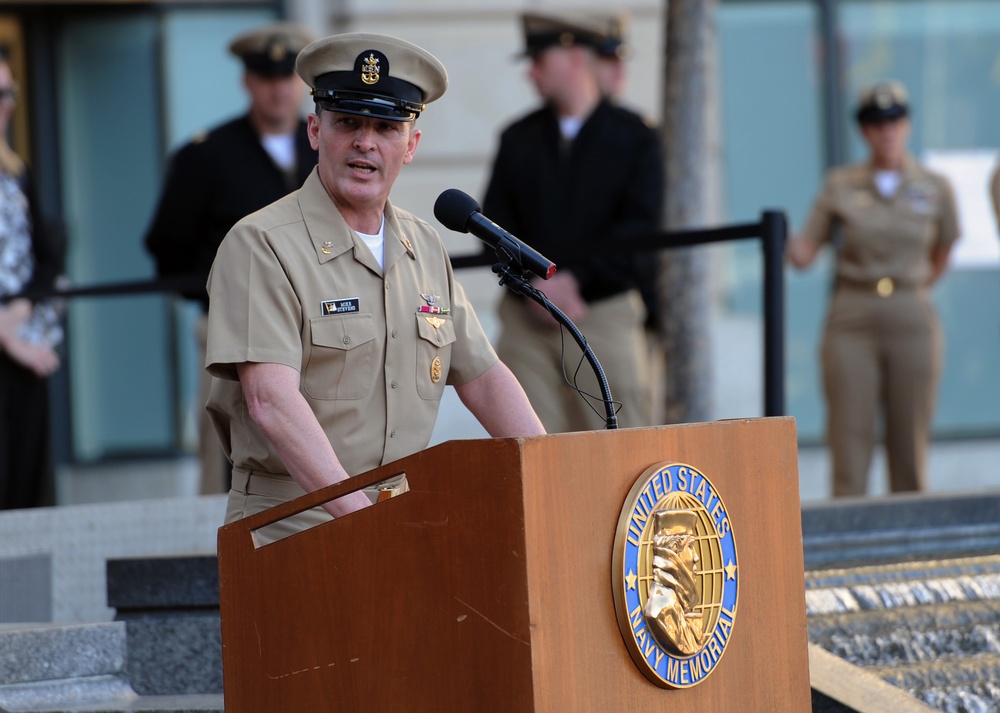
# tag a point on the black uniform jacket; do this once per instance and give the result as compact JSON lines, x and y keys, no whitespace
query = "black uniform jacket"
{"x":211,"y":184}
{"x":601,"y":189}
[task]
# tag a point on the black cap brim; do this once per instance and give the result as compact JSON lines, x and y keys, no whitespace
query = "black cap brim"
{"x":872,"y":114}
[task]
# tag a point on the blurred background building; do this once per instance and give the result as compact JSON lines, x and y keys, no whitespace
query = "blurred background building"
{"x":111,"y":88}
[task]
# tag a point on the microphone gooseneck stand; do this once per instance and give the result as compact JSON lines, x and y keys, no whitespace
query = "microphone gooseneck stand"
{"x":512,"y":276}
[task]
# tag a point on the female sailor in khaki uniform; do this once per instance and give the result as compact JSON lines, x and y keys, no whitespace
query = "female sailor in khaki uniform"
{"x":882,"y":346}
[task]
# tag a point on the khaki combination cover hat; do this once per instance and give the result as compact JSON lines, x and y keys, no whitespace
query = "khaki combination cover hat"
{"x":885,"y":101}
{"x":614,"y":45}
{"x":372,"y":75}
{"x":271,"y":50}
{"x":565,"y":29}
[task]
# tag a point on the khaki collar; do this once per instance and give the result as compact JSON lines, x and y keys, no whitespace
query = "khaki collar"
{"x":909,"y":169}
{"x":331,"y":236}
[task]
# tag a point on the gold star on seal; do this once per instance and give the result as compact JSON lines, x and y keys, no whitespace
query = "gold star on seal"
{"x":730,"y":570}
{"x":630,"y":579}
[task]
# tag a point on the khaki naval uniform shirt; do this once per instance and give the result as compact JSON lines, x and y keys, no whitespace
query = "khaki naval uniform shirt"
{"x":293,"y":284}
{"x":884,"y":237}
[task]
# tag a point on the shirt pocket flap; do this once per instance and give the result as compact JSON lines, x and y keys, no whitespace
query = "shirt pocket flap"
{"x":342,"y":331}
{"x":437,"y":329}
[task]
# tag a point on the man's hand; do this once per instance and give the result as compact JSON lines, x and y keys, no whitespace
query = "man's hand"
{"x":563,"y":291}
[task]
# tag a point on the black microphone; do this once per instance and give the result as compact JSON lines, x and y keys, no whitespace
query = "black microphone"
{"x":460,"y":212}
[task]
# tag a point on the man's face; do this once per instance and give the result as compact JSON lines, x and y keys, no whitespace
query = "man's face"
{"x":552,"y":69}
{"x":360,"y":157}
{"x":274,"y":100}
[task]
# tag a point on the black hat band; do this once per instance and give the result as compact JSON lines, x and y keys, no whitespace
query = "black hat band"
{"x":536,"y":42}
{"x":348,"y":102}
{"x":346,"y":92}
{"x":874,"y":114}
{"x":266,"y":65}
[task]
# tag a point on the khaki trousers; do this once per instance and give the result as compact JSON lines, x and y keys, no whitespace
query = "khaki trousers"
{"x":880,"y":354}
{"x":614,"y":330}
{"x":254,"y":492}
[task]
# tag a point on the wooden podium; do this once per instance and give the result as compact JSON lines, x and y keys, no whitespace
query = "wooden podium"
{"x":488,"y":586}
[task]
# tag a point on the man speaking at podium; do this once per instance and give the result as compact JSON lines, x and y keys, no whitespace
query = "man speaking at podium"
{"x":335,"y":321}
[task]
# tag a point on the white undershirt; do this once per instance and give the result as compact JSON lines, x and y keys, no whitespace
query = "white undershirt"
{"x":887,"y":182}
{"x":569,"y":126}
{"x":281,"y":148}
{"x":376,"y":242}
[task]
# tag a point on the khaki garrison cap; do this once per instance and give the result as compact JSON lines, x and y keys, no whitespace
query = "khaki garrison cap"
{"x":566,"y":29}
{"x":270,"y":50}
{"x":885,"y":101}
{"x":372,"y":75}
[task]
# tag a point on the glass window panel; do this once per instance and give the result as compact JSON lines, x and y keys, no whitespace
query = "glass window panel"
{"x":772,"y":158}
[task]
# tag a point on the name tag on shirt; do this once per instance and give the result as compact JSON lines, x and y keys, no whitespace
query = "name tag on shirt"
{"x":343,"y":306}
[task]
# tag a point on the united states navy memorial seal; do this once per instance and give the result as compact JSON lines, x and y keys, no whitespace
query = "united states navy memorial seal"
{"x":675,"y":575}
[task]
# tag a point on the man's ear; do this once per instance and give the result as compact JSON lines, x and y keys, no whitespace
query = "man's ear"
{"x":411,"y":148}
{"x":312,"y":129}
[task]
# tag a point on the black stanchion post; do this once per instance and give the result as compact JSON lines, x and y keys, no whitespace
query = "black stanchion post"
{"x":774,"y":232}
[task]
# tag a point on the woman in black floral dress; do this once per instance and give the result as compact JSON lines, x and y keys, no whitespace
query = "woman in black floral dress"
{"x":30,"y":329}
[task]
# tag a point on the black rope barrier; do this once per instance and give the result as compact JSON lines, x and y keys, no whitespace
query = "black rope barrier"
{"x":772,"y":231}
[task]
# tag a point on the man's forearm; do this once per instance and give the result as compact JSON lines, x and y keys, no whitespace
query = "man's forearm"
{"x":497,"y":400}
{"x":281,"y":412}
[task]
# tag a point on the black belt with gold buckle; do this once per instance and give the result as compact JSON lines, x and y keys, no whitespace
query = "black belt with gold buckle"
{"x":883,"y":287}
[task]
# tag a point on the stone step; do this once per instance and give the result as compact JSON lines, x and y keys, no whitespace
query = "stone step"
{"x":930,"y":628}
{"x":898,"y":528}
{"x":977,"y":697}
{"x":900,"y":586}
{"x":909,"y":636}
{"x":948,"y":679}
{"x":153,"y":704}
{"x":35,"y":652}
{"x":927,"y":617}
{"x":170,"y":606}
{"x":45,"y":666}
{"x":80,"y":668}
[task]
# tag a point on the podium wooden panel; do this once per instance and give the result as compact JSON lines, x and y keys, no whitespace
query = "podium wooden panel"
{"x":487,"y":587}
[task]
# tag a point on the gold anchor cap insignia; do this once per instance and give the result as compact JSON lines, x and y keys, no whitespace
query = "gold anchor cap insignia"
{"x":370,"y":69}
{"x":277,"y":51}
{"x":327,"y":247}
